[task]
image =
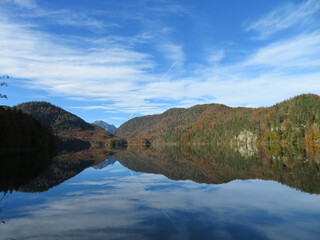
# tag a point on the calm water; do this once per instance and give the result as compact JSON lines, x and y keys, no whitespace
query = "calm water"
{"x":110,"y":201}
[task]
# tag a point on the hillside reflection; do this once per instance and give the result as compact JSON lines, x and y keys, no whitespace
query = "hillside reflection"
{"x":19,"y":168}
{"x":39,"y":171}
{"x":64,"y":167}
{"x":109,"y":201}
{"x":295,"y":167}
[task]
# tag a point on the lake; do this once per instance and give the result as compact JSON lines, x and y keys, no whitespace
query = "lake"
{"x":166,"y":194}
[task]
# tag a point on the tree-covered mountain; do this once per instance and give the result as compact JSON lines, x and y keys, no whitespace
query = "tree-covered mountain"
{"x":19,"y":130}
{"x":56,"y":117}
{"x":66,"y":125}
{"x":110,"y":128}
{"x":294,"y":121}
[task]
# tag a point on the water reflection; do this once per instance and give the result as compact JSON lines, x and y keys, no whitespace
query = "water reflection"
{"x":294,"y":167}
{"x":38,"y":171}
{"x":18,"y":168}
{"x":116,"y":203}
{"x":111,"y":201}
{"x":105,"y":163}
{"x":65,"y":166}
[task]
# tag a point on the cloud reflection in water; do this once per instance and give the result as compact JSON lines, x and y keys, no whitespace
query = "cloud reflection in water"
{"x":117,"y":203}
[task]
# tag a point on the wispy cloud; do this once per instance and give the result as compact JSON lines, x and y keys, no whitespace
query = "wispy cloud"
{"x":118,"y":118}
{"x":287,"y":16}
{"x":53,"y":64}
{"x":269,"y":74}
{"x":81,"y":20}
{"x":115,"y":205}
{"x":301,"y":51}
{"x":122,"y":77}
{"x":135,"y":106}
{"x":125,"y":74}
{"x":173,"y":52}
{"x":216,"y":56}
{"x":102,"y":69}
{"x":29,"y":9}
{"x":29,"y":4}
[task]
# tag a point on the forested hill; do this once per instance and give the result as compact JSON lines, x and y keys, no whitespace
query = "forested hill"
{"x":291,"y":121}
{"x":54,"y":116}
{"x":65,"y":124}
{"x":21,"y":131}
{"x":171,"y":120}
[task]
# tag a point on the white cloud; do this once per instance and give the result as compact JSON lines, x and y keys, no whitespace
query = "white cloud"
{"x":28,"y":4}
{"x":50,"y":63}
{"x":285,"y":17}
{"x":75,"y":19}
{"x":110,"y":73}
{"x":216,"y":56}
{"x":173,"y":52}
{"x":115,"y":206}
{"x":272,"y":73}
{"x":302,"y":51}
{"x":93,"y":107}
{"x":118,"y":118}
{"x":81,"y":20}
{"x":110,"y":70}
{"x":134,"y":105}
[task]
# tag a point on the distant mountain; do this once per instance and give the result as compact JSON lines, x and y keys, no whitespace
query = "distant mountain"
{"x":296,"y":120}
{"x":110,"y":128}
{"x":65,"y":124}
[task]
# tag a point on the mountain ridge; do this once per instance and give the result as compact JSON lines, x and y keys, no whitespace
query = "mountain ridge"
{"x":65,"y":125}
{"x":291,"y":121}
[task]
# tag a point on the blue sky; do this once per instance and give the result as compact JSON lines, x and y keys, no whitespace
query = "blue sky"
{"x":114,"y":60}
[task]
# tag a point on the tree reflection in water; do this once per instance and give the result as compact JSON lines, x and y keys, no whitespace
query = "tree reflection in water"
{"x":296,"y":167}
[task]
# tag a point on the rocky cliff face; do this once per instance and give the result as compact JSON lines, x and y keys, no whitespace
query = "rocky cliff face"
{"x":245,"y":143}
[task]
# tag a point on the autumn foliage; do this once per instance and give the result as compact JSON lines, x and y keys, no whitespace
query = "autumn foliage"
{"x":294,"y":121}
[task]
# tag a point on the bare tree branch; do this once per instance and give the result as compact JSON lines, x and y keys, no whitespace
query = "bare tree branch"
{"x":3,"y":84}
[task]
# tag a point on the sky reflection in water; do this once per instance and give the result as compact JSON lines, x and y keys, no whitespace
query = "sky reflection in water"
{"x":117,"y":203}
